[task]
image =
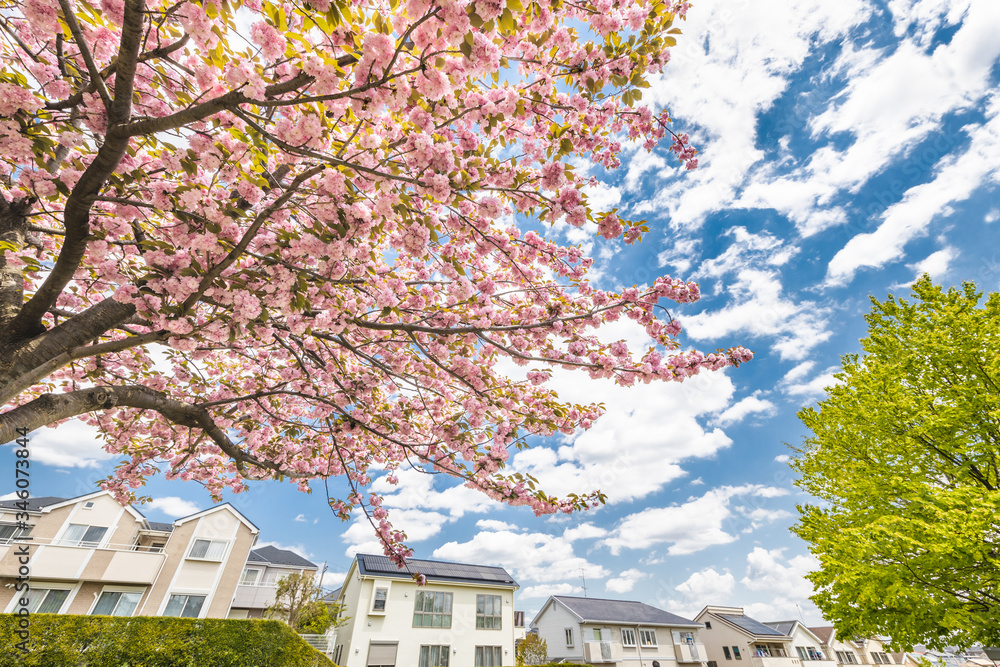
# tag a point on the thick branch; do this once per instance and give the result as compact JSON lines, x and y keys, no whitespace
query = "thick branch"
{"x":13,"y":227}
{"x":88,"y":58}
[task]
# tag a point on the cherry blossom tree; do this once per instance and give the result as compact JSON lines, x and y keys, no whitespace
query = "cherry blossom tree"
{"x":249,"y":239}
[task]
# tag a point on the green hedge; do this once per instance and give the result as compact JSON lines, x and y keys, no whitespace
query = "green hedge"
{"x":62,"y":640}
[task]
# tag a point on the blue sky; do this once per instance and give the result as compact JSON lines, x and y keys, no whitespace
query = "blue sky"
{"x":846,"y":147}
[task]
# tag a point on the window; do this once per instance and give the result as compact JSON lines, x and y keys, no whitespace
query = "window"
{"x":488,"y":610}
{"x":569,"y":636}
{"x":489,"y":656}
{"x":686,"y":637}
{"x":336,"y":653}
{"x":88,"y":505}
{"x":208,"y":549}
{"x":116,"y":603}
{"x":46,"y":600}
{"x":79,"y":535}
{"x":708,"y":626}
{"x":647,"y":637}
{"x":725,"y":652}
{"x":382,"y":654}
{"x":185,"y":606}
{"x":518,"y":619}
{"x":880,"y":658}
{"x":11,"y":532}
{"x":803,"y":654}
{"x":434,"y":656}
{"x":432,"y":610}
{"x":847,"y":658}
{"x":628,"y":637}
{"x":736,"y":653}
{"x":597,"y":634}
{"x":379,"y":599}
{"x":249,"y":577}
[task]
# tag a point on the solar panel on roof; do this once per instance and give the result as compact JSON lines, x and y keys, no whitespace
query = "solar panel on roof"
{"x":751,"y":626}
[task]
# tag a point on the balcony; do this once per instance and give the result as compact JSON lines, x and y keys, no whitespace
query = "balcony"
{"x":602,"y":652}
{"x":689,"y":652}
{"x":109,"y":563}
{"x":254,"y":596}
{"x":778,"y":661}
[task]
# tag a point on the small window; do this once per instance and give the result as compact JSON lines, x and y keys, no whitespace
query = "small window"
{"x":434,"y":656}
{"x":432,"y":610}
{"x":713,"y":663}
{"x":597,"y":634}
{"x":489,"y":656}
{"x":725,"y":652}
{"x":80,"y":535}
{"x":518,"y":619}
{"x":379,"y":599}
{"x":708,"y":625}
{"x":628,"y":637}
{"x":208,"y":549}
{"x":736,"y":653}
{"x":88,"y":505}
{"x":488,"y":612}
{"x":647,"y":637}
{"x":185,"y":606}
{"x":250,"y":576}
{"x":803,"y":653}
{"x":569,"y":636}
{"x":11,"y":532}
{"x":116,"y":603}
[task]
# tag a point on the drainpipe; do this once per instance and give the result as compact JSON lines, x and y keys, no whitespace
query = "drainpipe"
{"x":638,"y":647}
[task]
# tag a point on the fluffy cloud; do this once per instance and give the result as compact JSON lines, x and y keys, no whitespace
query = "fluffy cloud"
{"x":692,"y":526}
{"x":174,"y":506}
{"x":72,"y":444}
{"x":709,"y":585}
{"x":814,"y":388}
{"x":745,"y":407}
{"x":418,"y":524}
{"x":545,"y":590}
{"x":784,"y":582}
{"x":625,"y":581}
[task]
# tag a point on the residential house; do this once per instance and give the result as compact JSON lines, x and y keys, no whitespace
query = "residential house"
{"x":805,"y":644}
{"x":617,"y":632}
{"x":258,"y":584}
{"x":733,"y":639}
{"x":853,"y":651}
{"x":463,"y":615}
{"x":91,"y":555}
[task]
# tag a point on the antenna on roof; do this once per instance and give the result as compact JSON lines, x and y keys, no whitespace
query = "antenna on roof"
{"x":801,"y":616}
{"x":584,"y":582}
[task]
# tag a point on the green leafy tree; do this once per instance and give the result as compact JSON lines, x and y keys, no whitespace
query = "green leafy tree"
{"x":905,"y":457}
{"x":298,"y":602}
{"x":532,"y":650}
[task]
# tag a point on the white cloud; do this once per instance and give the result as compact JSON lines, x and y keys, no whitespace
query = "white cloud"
{"x":814,"y":388}
{"x":298,"y":548}
{"x":535,"y":557}
{"x":745,"y":407}
{"x":625,"y":581}
{"x":418,"y":524}
{"x":758,"y":308}
{"x":585,"y":531}
{"x":72,"y":444}
{"x":545,"y":590}
{"x":9,"y":496}
{"x":799,"y":372}
{"x":692,"y":526}
{"x":782,"y":458}
{"x":332,"y":580}
{"x":300,"y":518}
{"x":708,"y":586}
{"x":174,"y":506}
{"x":936,"y":264}
{"x":784,"y":582}
{"x":494,"y":524}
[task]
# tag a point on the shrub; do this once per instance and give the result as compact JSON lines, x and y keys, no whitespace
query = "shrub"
{"x":62,"y":640}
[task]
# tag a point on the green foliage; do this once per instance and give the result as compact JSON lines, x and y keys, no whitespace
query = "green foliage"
{"x":314,"y":619}
{"x":532,"y":650}
{"x":298,"y":602}
{"x":61,"y":640}
{"x":905,"y":455}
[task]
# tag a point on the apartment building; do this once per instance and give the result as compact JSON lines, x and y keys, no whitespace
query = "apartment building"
{"x":463,"y":615}
{"x":617,"y":632}
{"x":733,"y":639}
{"x":807,"y":645}
{"x":90,"y":555}
{"x":849,"y":652}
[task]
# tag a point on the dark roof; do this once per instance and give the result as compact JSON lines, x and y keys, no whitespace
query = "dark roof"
{"x":620,"y":611}
{"x":34,"y":504}
{"x":823,"y":632}
{"x":161,"y":526}
{"x":275,"y":556}
{"x":751,"y":626}
{"x":784,"y":627}
{"x":332,"y":595}
{"x":435,"y":570}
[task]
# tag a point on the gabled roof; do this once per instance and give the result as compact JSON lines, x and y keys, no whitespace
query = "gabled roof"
{"x":619,"y":611}
{"x":275,"y":556}
{"x":784,"y":627}
{"x":64,"y":502}
{"x":227,"y":506}
{"x":824,"y":633}
{"x":435,"y":570}
{"x":33,"y":504}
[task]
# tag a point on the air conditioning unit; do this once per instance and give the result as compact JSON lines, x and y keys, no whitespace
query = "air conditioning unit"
{"x":598,"y":652}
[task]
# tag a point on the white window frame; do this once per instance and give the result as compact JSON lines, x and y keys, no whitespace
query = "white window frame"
{"x":14,"y":604}
{"x":194,"y":542}
{"x":257,"y":578}
{"x":569,"y":637}
{"x":64,"y":541}
{"x":119,"y":589}
{"x":597,"y":634}
{"x":380,"y":585}
{"x":628,"y":637}
{"x":642,"y":638}
{"x":18,"y":531}
{"x":188,"y":594}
